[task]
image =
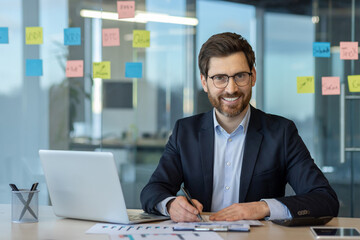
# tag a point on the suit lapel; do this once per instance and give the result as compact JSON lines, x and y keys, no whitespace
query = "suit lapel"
{"x":206,"y":142}
{"x":251,"y":149}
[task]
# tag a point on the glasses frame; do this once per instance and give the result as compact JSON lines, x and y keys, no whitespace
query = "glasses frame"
{"x":228,"y":79}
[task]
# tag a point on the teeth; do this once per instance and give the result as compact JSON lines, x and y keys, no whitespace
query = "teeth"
{"x":231,"y":99}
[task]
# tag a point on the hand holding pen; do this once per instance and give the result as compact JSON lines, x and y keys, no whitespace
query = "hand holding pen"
{"x":190,"y":200}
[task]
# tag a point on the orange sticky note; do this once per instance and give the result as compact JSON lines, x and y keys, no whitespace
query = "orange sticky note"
{"x":126,"y":9}
{"x":330,"y":85}
{"x":349,"y":50}
{"x":34,"y":35}
{"x":111,"y":37}
{"x":75,"y":68}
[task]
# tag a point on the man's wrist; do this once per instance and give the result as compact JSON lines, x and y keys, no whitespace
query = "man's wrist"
{"x":168,"y":205}
{"x":266,"y":209}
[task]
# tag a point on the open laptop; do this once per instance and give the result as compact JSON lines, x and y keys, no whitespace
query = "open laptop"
{"x":85,"y":185}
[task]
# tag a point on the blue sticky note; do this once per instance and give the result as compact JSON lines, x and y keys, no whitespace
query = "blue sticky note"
{"x":34,"y":67}
{"x":321,"y":49}
{"x":72,"y":36}
{"x":133,"y":70}
{"x":4,"y":35}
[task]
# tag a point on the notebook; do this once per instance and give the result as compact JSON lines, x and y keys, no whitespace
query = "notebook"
{"x":85,"y":185}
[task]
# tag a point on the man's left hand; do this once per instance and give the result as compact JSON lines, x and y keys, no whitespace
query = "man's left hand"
{"x":240,"y":211}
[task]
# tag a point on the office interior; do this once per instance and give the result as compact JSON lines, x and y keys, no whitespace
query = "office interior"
{"x":133,"y":117}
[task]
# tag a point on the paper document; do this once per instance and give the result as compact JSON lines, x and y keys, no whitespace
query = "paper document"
{"x":104,"y":228}
{"x":169,"y":236}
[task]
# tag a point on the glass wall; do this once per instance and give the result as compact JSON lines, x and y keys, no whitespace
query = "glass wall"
{"x":133,"y":116}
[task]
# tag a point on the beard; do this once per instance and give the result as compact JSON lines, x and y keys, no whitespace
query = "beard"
{"x":226,"y":110}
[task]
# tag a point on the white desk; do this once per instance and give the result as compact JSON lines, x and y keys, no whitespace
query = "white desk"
{"x":51,"y":227}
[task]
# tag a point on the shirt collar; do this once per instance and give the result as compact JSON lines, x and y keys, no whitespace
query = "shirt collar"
{"x":242,"y":126}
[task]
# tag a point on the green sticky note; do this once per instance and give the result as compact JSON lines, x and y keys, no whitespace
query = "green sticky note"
{"x":305,"y":84}
{"x":354,"y":83}
{"x":141,"y":39}
{"x":102,"y":70}
{"x":34,"y":35}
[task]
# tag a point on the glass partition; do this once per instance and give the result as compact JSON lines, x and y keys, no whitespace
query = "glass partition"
{"x":132,"y":116}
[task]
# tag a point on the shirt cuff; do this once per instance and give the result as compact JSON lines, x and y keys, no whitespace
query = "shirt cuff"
{"x":161,"y":206}
{"x":277,"y":210}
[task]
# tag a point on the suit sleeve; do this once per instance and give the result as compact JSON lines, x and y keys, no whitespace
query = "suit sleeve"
{"x":314,"y":195}
{"x":166,"y":180}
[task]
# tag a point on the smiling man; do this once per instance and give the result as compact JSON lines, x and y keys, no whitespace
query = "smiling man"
{"x":236,"y":160}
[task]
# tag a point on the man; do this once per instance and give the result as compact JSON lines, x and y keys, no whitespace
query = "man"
{"x":236,"y":160}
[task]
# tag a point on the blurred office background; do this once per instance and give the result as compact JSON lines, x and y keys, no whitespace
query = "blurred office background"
{"x":133,"y":117}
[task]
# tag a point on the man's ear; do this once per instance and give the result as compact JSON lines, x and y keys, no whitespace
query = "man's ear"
{"x":253,"y":77}
{"x":204,"y":83}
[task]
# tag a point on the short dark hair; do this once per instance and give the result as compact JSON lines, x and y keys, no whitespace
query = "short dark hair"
{"x":222,"y":45}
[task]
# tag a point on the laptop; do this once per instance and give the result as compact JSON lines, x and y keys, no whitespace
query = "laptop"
{"x":85,"y":185}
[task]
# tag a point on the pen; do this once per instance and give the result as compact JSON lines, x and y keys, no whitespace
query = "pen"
{"x":33,"y":188}
{"x":188,"y":197}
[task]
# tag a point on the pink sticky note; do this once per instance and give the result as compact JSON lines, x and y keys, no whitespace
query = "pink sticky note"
{"x":126,"y":9}
{"x":349,"y":50}
{"x":111,"y":37}
{"x":75,"y":68}
{"x":330,"y":85}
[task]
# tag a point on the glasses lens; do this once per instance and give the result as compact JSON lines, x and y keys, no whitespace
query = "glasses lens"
{"x":242,"y":79}
{"x":220,"y":81}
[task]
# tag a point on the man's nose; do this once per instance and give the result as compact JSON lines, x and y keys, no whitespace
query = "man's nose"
{"x":231,"y":87}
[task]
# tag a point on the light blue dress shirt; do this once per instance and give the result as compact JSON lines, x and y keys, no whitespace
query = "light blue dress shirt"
{"x":228,"y":158}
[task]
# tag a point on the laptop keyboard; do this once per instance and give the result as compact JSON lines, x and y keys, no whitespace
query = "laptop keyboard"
{"x":138,"y":217}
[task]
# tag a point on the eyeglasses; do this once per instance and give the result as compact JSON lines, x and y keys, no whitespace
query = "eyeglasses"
{"x":241,"y":79}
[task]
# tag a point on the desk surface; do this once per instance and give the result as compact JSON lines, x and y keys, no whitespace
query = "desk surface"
{"x":52,"y":227}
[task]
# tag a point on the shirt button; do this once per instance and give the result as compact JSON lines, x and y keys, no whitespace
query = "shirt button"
{"x":227,"y":187}
{"x":228,"y":163}
{"x":230,"y":139}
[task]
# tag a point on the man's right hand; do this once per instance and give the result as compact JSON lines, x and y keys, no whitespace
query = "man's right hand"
{"x":181,"y":210}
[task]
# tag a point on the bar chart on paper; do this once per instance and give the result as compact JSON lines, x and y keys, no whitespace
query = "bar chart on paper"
{"x":169,"y":236}
{"x":149,"y":232}
{"x":101,"y":228}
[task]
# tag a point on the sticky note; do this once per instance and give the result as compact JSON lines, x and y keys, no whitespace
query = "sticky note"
{"x":34,"y":67}
{"x":34,"y":35}
{"x":75,"y":68}
{"x":126,"y":9}
{"x":321,"y":49}
{"x":330,"y":85}
{"x":305,"y":84}
{"x":4,"y":35}
{"x":354,"y":83}
{"x":349,"y":50}
{"x":111,"y":37}
{"x":133,"y":70}
{"x":141,"y":38}
{"x":72,"y":36}
{"x":102,"y":70}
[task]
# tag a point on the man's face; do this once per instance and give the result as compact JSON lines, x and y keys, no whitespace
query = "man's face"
{"x":232,"y":100}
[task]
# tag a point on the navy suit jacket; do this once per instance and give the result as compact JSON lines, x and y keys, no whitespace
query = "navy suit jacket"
{"x":274,"y":155}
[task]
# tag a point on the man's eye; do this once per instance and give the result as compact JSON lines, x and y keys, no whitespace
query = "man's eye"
{"x":220,"y":78}
{"x":240,"y":75}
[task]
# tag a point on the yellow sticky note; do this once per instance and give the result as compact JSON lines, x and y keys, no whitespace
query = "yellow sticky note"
{"x":102,"y":70}
{"x":305,"y":84}
{"x":354,"y":83}
{"x":141,"y":38}
{"x":34,"y":35}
